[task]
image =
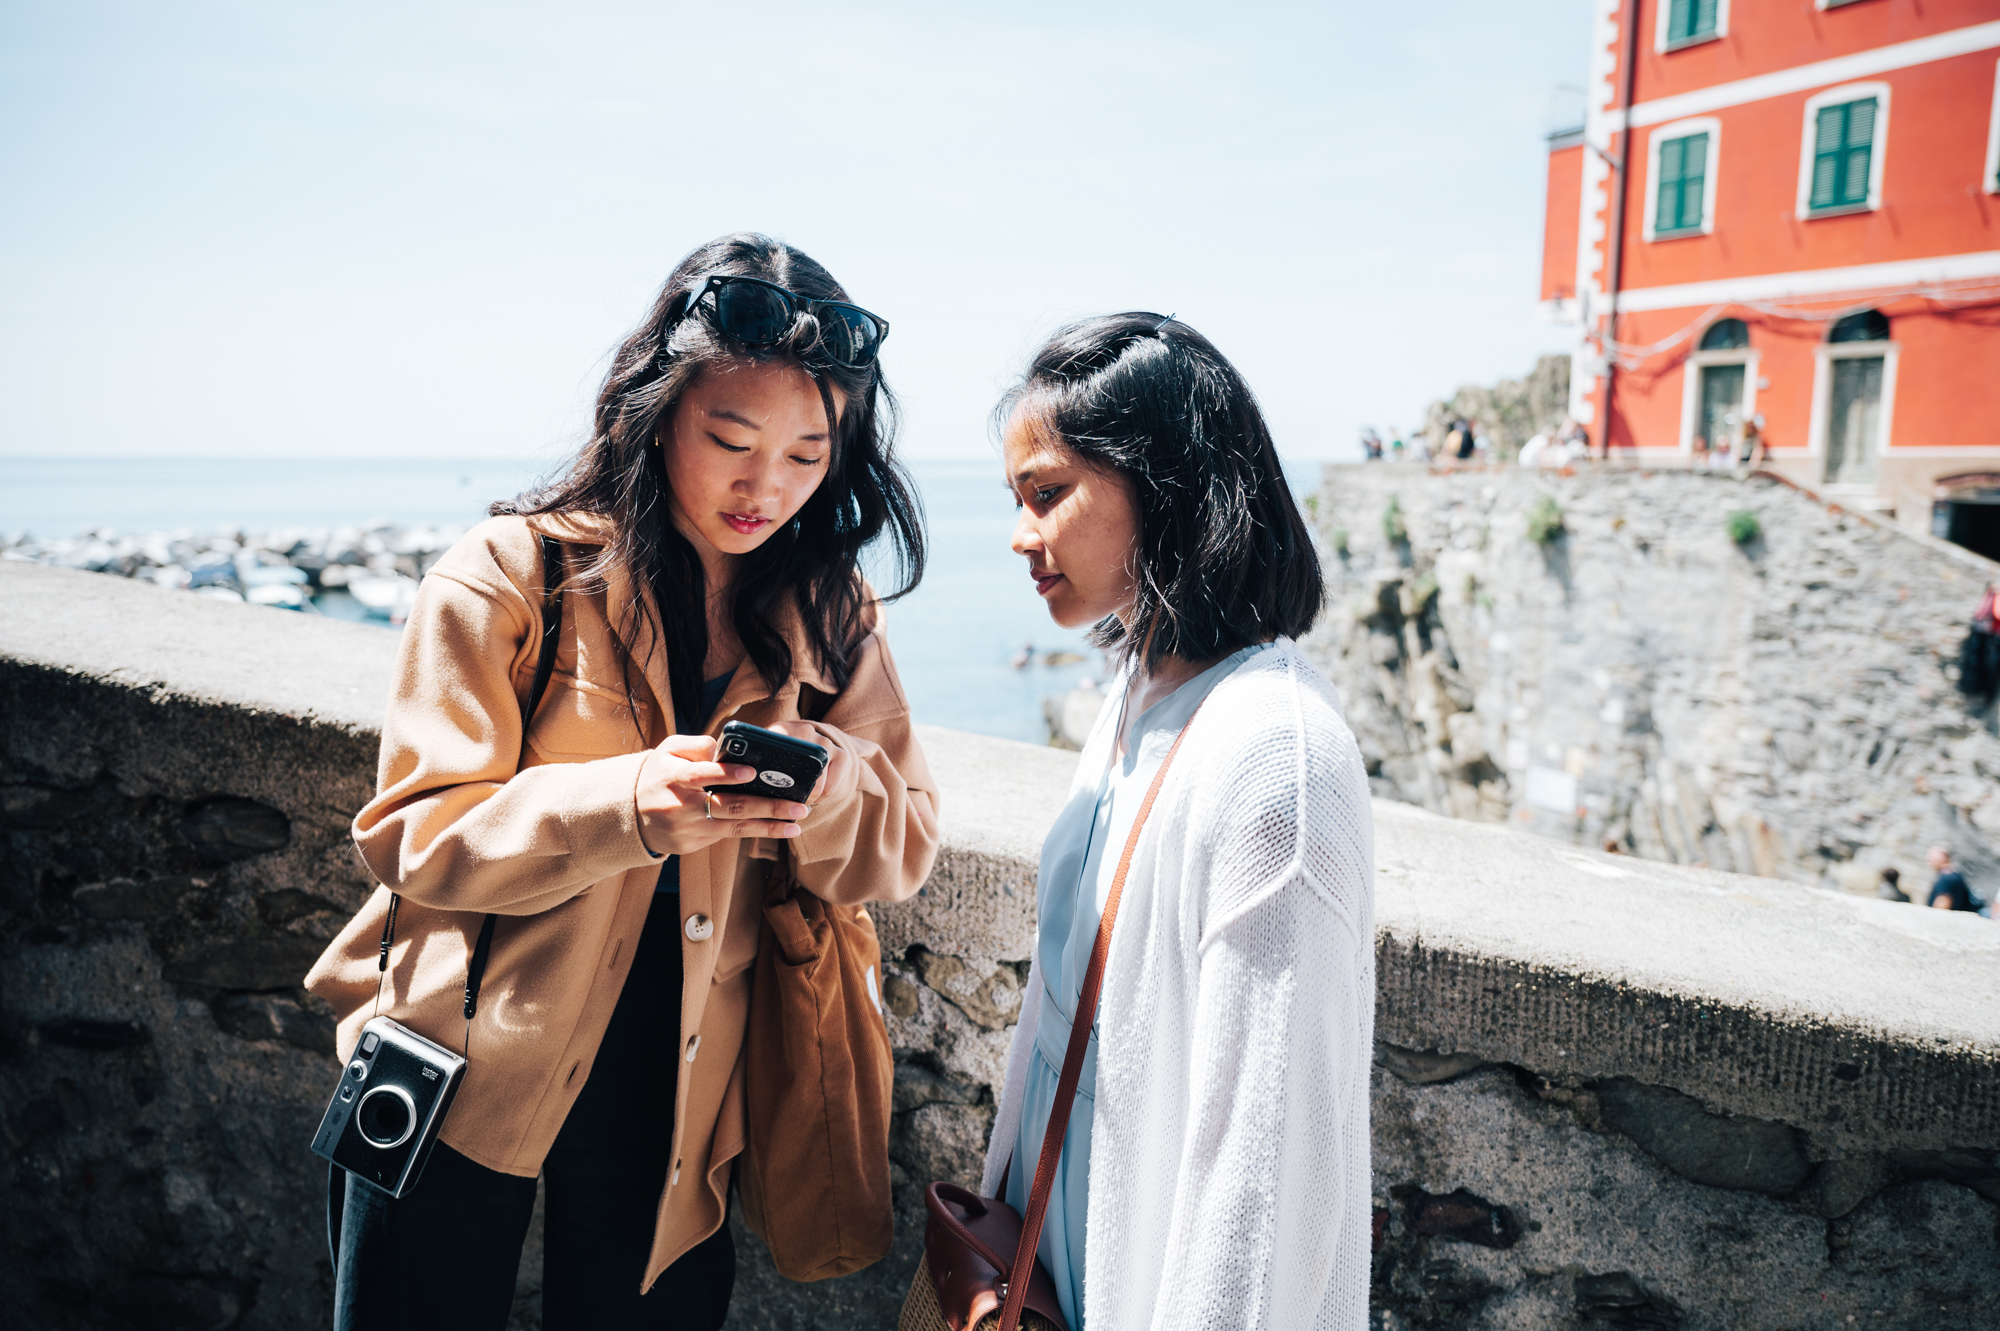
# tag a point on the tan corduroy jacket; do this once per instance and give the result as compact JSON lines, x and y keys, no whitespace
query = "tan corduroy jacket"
{"x":467,"y":820}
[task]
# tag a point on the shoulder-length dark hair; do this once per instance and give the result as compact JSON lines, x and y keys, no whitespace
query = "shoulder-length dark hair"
{"x":1224,"y":558}
{"x":621,"y":476}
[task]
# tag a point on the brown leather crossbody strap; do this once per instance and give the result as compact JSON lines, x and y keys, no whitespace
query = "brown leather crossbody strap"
{"x":1072,"y":1068}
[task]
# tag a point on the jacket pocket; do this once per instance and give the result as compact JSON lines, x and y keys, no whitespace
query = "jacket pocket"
{"x":579,"y":721}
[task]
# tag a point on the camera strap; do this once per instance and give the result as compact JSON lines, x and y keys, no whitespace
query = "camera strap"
{"x":545,"y":665}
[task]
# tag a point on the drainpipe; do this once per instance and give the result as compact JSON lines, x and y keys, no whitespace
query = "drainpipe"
{"x":1619,"y":165}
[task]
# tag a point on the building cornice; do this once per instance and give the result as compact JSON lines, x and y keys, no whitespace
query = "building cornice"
{"x":1804,"y":78}
{"x":1856,"y":278}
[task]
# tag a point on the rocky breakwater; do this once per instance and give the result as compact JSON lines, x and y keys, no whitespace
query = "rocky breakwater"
{"x":1693,"y":668}
{"x":356,"y":573}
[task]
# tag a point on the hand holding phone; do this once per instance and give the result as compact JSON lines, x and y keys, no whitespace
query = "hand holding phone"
{"x":787,"y":768}
{"x":679,"y":813}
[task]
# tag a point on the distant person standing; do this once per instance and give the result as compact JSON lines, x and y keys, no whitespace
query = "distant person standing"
{"x":1466,"y":443}
{"x":1979,"y":658}
{"x":1950,"y":891}
{"x":1750,"y":450}
{"x":1891,"y":888}
{"x":1576,"y":442}
{"x":1722,"y":451}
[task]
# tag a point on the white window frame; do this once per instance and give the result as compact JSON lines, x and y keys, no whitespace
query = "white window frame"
{"x":1850,"y":92}
{"x":1682,"y":129}
{"x":1824,"y":355}
{"x":1660,"y":43}
{"x":1747,"y":357}
{"x":1992,"y":180}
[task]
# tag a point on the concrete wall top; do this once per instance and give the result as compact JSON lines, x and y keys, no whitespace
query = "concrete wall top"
{"x":1855,"y":1019}
{"x":138,"y":636}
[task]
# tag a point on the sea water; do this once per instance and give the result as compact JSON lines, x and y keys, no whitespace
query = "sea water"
{"x":959,"y":639}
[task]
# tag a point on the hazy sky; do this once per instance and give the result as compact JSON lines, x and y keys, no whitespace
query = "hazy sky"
{"x":416,"y":229}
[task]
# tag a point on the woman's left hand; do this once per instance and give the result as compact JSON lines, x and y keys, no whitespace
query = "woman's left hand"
{"x":836,"y":773}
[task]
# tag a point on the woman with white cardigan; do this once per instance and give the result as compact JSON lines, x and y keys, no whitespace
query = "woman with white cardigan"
{"x":1214,"y":1172}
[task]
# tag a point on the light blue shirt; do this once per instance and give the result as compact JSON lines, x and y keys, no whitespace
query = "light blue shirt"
{"x":1079,"y":860}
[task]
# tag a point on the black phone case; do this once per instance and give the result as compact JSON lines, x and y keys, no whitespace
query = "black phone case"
{"x":787,"y":768}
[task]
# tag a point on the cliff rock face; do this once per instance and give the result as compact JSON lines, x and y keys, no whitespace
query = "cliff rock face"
{"x":1511,"y":411}
{"x":1780,"y":705}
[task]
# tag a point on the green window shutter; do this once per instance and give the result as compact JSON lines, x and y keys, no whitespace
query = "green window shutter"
{"x":1860,"y":147}
{"x":1667,"y":210}
{"x":1689,"y":19}
{"x":1828,"y":138}
{"x":1683,"y":180}
{"x":1694,"y":177}
{"x":1843,"y":146}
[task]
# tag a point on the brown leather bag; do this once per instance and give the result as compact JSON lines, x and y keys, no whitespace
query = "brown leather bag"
{"x":964,"y":1282}
{"x":818,"y":1076}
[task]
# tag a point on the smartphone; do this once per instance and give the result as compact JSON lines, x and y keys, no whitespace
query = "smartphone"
{"x":787,"y":768}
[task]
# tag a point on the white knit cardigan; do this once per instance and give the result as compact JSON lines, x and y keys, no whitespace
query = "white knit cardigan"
{"x":1229,"y":1175}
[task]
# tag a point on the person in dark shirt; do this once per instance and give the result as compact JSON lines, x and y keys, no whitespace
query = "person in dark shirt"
{"x":1949,"y":891}
{"x":1891,"y":888}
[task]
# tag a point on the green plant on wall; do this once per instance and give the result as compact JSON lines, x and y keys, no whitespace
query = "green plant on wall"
{"x":1392,"y":522}
{"x":1545,"y":520}
{"x":1421,"y":592}
{"x":1743,"y":526}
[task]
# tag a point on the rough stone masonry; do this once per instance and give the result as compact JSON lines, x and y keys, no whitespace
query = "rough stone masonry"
{"x":1784,"y":705}
{"x":1609,"y":1093}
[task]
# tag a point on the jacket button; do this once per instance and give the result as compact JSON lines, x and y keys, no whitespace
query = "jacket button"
{"x":694,"y":1043}
{"x":699,"y":927}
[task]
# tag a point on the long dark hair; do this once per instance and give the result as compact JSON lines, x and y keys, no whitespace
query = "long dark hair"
{"x":1224,"y":558}
{"x":814,"y":558}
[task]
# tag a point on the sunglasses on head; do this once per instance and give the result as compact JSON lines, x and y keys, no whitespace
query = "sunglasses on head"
{"x":761,"y":314}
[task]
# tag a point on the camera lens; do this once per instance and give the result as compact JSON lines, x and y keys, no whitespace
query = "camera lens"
{"x":734,"y":746}
{"x":386,"y":1117}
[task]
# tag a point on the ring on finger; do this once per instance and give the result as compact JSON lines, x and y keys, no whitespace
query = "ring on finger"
{"x":708,"y":805}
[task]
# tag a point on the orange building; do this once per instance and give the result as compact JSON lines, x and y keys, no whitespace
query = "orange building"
{"x":1780,"y":224}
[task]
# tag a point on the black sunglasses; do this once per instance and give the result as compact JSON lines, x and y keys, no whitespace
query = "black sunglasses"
{"x":760,"y":313}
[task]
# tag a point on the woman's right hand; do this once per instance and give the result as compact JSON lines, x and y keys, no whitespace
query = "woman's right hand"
{"x":674,"y":802}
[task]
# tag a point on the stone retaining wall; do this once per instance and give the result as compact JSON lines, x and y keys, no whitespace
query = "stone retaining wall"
{"x":1784,"y":705}
{"x":1609,"y":1093}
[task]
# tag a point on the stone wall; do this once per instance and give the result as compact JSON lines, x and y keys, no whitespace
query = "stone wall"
{"x":1609,"y":1092}
{"x":1783,"y":706}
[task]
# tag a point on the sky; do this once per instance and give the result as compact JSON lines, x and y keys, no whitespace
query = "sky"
{"x":417,"y":229}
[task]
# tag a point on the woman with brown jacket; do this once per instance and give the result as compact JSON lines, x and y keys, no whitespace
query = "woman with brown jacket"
{"x":707,"y":537}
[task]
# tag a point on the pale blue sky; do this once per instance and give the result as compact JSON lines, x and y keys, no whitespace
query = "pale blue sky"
{"x":416,"y":229}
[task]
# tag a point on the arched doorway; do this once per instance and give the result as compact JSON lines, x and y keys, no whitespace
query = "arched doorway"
{"x":1854,"y":370}
{"x":1719,"y":388}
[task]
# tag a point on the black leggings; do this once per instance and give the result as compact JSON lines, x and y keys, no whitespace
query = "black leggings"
{"x":444,"y":1257}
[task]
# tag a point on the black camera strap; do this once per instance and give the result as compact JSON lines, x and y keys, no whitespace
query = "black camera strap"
{"x":545,"y":665}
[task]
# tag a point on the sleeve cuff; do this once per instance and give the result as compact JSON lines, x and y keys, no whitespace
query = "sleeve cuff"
{"x":602,"y":819}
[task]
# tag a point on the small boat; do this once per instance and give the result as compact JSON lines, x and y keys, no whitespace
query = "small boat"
{"x":387,"y":598}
